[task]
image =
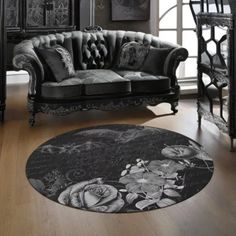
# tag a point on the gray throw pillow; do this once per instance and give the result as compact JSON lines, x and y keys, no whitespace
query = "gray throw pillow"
{"x":154,"y":63}
{"x":132,"y":55}
{"x":58,"y":60}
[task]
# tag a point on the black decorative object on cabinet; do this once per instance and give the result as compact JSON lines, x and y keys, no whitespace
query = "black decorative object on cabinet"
{"x":216,"y":63}
{"x":2,"y":62}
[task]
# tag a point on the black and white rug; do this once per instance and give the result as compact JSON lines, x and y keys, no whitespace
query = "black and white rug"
{"x":119,"y":168}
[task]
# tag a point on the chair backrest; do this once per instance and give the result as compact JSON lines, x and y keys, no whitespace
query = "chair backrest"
{"x":209,"y":6}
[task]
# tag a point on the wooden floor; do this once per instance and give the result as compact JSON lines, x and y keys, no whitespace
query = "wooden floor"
{"x":24,"y":212}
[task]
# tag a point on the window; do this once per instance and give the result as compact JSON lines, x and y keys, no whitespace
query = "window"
{"x":176,"y":24}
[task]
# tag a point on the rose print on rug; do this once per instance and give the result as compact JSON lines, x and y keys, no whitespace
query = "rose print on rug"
{"x":119,"y":168}
{"x":92,"y":195}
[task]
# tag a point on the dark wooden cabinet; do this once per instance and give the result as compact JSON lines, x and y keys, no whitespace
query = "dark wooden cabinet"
{"x":2,"y":62}
{"x":28,"y":16}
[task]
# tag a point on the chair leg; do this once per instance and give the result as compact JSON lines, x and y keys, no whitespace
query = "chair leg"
{"x":199,"y":121}
{"x":232,"y":145}
{"x":2,"y":116}
{"x":32,"y":111}
{"x":174,"y":107}
{"x":32,"y":119}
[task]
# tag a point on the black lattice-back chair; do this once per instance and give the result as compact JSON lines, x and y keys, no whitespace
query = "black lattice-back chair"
{"x":216,"y":68}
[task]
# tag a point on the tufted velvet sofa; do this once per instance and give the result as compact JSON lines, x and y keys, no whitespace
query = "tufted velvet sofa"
{"x":98,"y":84}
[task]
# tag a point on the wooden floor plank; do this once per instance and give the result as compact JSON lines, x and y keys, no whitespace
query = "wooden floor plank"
{"x":25,"y":212}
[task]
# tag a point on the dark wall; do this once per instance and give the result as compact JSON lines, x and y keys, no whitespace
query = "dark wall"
{"x":103,"y":18}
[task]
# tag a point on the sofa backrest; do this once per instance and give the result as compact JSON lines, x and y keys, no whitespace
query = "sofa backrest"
{"x":92,"y":50}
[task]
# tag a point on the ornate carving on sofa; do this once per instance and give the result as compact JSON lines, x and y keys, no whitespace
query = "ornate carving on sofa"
{"x":86,"y":48}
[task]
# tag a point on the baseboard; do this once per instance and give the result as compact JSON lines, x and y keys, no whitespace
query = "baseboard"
{"x":188,"y":89}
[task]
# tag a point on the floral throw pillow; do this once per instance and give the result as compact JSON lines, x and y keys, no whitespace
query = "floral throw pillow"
{"x":58,"y":62}
{"x":132,"y":55}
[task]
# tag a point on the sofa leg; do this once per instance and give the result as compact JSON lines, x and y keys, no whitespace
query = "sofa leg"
{"x":232,"y":144}
{"x":32,"y":119}
{"x":199,"y":121}
{"x":174,"y":107}
{"x":2,"y":116}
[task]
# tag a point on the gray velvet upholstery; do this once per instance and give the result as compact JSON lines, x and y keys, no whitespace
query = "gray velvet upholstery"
{"x":67,"y":89}
{"x":103,"y":82}
{"x":155,"y":60}
{"x":172,"y":61}
{"x":87,"y":83}
{"x":142,"y":82}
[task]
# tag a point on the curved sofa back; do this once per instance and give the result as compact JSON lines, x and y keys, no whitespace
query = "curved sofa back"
{"x":95,"y":50}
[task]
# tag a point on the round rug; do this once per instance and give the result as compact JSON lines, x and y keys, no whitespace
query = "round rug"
{"x":119,"y":168}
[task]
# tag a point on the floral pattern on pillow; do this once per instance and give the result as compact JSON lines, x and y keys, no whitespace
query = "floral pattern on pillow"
{"x":133,"y":55}
{"x":66,"y":59}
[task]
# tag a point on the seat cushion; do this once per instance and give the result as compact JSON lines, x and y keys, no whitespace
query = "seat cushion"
{"x":102,"y":82}
{"x":142,"y":82}
{"x":67,"y":89}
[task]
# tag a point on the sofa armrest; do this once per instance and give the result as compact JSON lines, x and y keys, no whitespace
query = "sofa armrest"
{"x":172,"y":62}
{"x":26,"y":59}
